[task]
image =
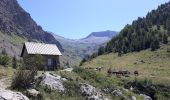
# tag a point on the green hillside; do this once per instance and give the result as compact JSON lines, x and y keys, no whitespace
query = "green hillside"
{"x":151,"y":65}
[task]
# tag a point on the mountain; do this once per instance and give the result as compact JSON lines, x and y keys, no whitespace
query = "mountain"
{"x":108,"y":34}
{"x":75,"y":50}
{"x":99,"y":37}
{"x":17,"y":26}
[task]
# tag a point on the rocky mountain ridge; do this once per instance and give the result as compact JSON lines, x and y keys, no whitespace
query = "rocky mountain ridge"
{"x":99,"y":37}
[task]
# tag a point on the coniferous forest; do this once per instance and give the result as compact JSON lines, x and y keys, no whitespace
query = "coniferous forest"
{"x":147,"y":32}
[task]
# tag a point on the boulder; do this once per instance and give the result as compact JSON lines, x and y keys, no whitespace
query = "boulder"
{"x":118,"y":93}
{"x":10,"y":95}
{"x":91,"y":92}
{"x":146,"y":97}
{"x":133,"y":98}
{"x":54,"y":82}
{"x":33,"y":92}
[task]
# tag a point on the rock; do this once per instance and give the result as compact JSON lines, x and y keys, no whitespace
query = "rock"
{"x":131,"y":88}
{"x":68,"y":69}
{"x":146,"y":97}
{"x":133,"y":98}
{"x":117,"y":92}
{"x":33,"y":92}
{"x":91,"y":92}
{"x":114,"y":91}
{"x":10,"y":95}
{"x":54,"y":82}
{"x":63,"y":79}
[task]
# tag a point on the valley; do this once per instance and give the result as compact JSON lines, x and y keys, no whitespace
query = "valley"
{"x":76,"y":50}
{"x":133,"y":64}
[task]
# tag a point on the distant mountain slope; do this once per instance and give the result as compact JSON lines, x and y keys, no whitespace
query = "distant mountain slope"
{"x":99,"y":37}
{"x":108,"y":34}
{"x":78,"y":49}
{"x":14,"y":21}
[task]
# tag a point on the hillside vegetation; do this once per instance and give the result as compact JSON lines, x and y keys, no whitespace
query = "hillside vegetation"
{"x":151,"y":65}
{"x":143,"y":33}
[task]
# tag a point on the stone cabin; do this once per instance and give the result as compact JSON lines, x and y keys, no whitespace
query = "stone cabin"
{"x":50,"y":52}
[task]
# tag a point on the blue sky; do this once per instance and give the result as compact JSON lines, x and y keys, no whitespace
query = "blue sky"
{"x":77,"y":18}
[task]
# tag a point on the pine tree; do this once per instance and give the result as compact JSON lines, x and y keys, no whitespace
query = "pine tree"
{"x":101,"y":51}
{"x":154,"y":45}
{"x":165,"y":39}
{"x":168,"y":26}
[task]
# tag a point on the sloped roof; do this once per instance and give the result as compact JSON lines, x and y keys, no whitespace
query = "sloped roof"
{"x":42,"y":48}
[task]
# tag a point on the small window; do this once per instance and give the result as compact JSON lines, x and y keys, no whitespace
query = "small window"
{"x":49,"y":62}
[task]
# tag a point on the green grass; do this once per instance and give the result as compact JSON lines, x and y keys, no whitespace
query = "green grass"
{"x":7,"y":73}
{"x":18,"y":40}
{"x":153,"y":65}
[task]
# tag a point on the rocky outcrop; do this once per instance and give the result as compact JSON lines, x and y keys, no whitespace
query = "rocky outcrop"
{"x":114,"y":92}
{"x":91,"y":92}
{"x":10,"y":95}
{"x":53,"y":82}
{"x":117,"y":92}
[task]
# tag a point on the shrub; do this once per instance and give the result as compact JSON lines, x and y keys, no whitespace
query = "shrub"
{"x":95,"y":78}
{"x":4,"y":52}
{"x":14,"y":62}
{"x":72,"y":88}
{"x":36,"y":62}
{"x":23,"y":79}
{"x":4,"y":60}
{"x":147,"y":87}
{"x":168,"y":49}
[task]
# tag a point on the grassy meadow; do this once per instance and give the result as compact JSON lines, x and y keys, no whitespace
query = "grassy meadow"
{"x":154,"y":65}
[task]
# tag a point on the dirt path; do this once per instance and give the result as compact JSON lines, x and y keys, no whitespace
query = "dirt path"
{"x":3,"y":84}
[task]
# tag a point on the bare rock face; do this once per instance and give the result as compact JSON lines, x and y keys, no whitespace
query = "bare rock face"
{"x":10,"y":95}
{"x":91,"y":92}
{"x":54,"y":82}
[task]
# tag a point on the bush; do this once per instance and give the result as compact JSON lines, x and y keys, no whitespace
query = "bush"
{"x":36,"y":62}
{"x":95,"y":78}
{"x":168,"y":49}
{"x":23,"y":79}
{"x":147,"y":87}
{"x":4,"y":60}
{"x":72,"y":88}
{"x":14,"y":62}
